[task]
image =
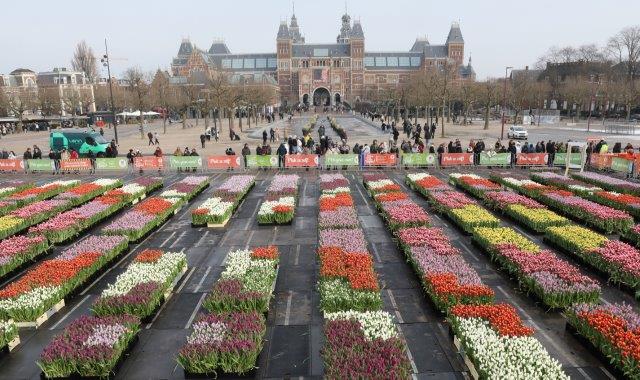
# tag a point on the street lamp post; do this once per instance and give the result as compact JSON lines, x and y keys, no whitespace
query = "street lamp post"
{"x":106,"y":62}
{"x":504,"y":100}
{"x":591,"y":102}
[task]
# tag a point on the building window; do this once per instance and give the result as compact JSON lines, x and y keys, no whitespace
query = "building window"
{"x":249,"y":63}
{"x":369,"y":61}
{"x":415,"y":61}
{"x":261,"y":63}
{"x":403,"y":61}
{"x":272,"y":63}
{"x":392,"y":61}
{"x":226,"y":63}
{"x":381,"y":61}
{"x":236,"y":63}
{"x":320,"y":52}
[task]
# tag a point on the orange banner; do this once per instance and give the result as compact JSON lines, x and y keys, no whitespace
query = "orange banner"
{"x":76,"y":164}
{"x":148,"y":162}
{"x":380,"y":159}
{"x":223,"y":162}
{"x":8,"y":165}
{"x":531,"y":159}
{"x":456,"y":159}
{"x":301,"y":161}
{"x":601,"y":161}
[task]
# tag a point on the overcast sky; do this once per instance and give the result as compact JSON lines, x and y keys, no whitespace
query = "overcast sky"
{"x":143,"y":33}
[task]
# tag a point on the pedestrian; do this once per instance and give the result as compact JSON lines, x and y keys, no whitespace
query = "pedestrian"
{"x":264,"y":137}
{"x":246,"y":151}
{"x":101,"y":131}
{"x":155,"y":138}
{"x":150,"y":136}
{"x":202,"y":140}
{"x":27,"y":154}
{"x":282,"y":152}
{"x":37,"y":153}
{"x":272,"y":134}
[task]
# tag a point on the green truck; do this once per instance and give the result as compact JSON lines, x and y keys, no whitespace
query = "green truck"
{"x":82,"y":141}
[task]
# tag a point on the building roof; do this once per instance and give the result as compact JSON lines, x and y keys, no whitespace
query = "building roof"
{"x":436,"y":51}
{"x":357,"y":32}
{"x":186,"y":48}
{"x":321,"y":50}
{"x":283,"y":31}
{"x":420,"y":44}
{"x":21,"y":71}
{"x":455,"y":34}
{"x":219,"y":47}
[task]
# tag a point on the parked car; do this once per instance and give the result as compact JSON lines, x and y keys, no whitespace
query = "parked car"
{"x":517,"y":132}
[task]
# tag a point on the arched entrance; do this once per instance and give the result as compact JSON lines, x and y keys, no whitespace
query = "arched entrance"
{"x":321,"y":97}
{"x":337,"y":99}
{"x":305,"y":99}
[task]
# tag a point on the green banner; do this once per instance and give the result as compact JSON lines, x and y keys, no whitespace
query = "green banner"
{"x":561,"y":158}
{"x":111,"y":163}
{"x":183,"y":162}
{"x":620,"y":165}
{"x":495,"y":159}
{"x":419,"y":159}
{"x":43,"y":165}
{"x":341,"y":160}
{"x":262,"y":161}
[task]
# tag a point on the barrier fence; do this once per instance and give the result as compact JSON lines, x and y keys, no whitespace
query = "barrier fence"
{"x":306,"y":161}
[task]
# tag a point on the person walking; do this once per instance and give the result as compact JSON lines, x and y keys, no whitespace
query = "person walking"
{"x":150,"y":136}
{"x":272,"y":134}
{"x":282,"y":152}
{"x":203,"y":139}
{"x":264,"y":137}
{"x":155,"y":139}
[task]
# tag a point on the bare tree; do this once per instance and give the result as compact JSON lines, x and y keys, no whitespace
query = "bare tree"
{"x":19,"y":103}
{"x":161,"y":91}
{"x":84,"y":60}
{"x":625,"y":49}
{"x":489,"y":96}
{"x":575,"y":91}
{"x":48,"y":101}
{"x":138,"y":85}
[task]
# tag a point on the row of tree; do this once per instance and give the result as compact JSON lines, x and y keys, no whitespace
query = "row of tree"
{"x":591,"y":80}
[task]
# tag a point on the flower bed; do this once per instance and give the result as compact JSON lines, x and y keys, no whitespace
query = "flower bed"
{"x":474,"y":184}
{"x":425,"y":183}
{"x":598,"y":216}
{"x":186,"y":189}
{"x":144,"y":217}
{"x":247,"y":282}
{"x":363,"y":345}
{"x":69,"y":224}
{"x":347,"y":281}
{"x":227,"y":197}
{"x":8,"y":335}
{"x":279,"y":204}
{"x":495,"y":340}
{"x":614,"y":330}
{"x":29,"y":297}
{"x":608,"y":183}
{"x":620,"y":261}
{"x":141,"y":289}
{"x":228,"y":342}
{"x":38,"y":193}
{"x":37,"y":212}
{"x":444,"y":274}
{"x":89,"y":347}
{"x":556,"y":282}
{"x":360,"y":340}
{"x":87,"y":191}
{"x":560,"y":181}
{"x":397,"y":210}
{"x":11,"y":187}
{"x":18,"y":250}
{"x":333,"y":183}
